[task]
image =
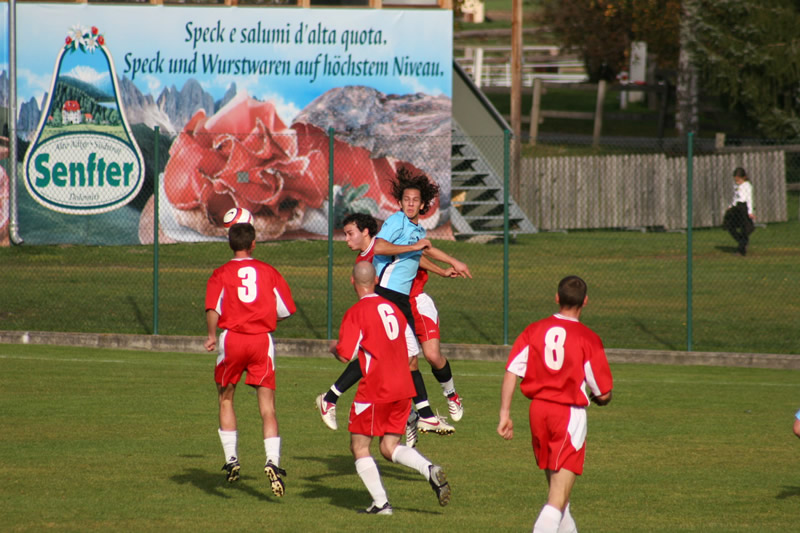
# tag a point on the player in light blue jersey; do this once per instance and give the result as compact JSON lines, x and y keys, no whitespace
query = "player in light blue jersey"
{"x":397,"y":267}
{"x":397,"y":272}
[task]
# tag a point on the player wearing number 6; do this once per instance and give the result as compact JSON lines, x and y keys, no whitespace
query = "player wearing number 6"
{"x":557,"y":359}
{"x":246,"y":298}
{"x":377,"y":332}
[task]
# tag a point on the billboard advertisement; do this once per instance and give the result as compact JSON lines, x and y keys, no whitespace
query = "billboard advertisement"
{"x":239,"y":104}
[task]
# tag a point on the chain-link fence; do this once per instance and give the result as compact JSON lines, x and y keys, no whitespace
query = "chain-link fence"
{"x":615,"y":215}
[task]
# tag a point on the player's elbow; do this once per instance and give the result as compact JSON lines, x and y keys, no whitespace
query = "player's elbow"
{"x":796,"y":427}
{"x":603,"y":399}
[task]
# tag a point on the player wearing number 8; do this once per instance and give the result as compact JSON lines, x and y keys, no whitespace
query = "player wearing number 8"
{"x":246,"y":298}
{"x":557,"y":359}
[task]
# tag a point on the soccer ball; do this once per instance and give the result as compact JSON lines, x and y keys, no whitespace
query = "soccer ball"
{"x":237,"y":215}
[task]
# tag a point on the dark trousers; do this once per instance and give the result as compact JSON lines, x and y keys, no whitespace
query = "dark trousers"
{"x":738,"y":223}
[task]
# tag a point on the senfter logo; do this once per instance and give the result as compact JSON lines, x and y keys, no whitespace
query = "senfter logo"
{"x":83,"y":159}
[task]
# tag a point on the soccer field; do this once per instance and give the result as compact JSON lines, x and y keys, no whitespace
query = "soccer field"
{"x":97,"y":440}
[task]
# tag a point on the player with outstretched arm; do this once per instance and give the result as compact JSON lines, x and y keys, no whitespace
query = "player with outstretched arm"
{"x":360,"y":230}
{"x":397,"y":268}
{"x":557,"y":358}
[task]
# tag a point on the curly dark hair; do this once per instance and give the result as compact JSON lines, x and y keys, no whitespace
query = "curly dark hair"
{"x":406,"y":179}
{"x":362,"y":221}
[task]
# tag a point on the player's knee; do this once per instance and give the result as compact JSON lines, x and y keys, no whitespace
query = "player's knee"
{"x":387,"y":449}
{"x":436,"y":360}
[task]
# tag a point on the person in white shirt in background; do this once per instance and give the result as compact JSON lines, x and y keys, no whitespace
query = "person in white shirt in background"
{"x":740,"y":214}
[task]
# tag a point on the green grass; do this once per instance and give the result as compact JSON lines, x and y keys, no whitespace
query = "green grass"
{"x":637,"y":287}
{"x":98,"y":440}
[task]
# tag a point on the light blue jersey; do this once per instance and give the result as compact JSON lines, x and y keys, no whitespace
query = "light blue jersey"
{"x":797,"y":415}
{"x":397,"y":272}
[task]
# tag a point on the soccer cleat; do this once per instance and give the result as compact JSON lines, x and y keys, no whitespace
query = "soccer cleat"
{"x":439,"y":484}
{"x":231,"y":469}
{"x":411,"y":429}
{"x":275,"y":482}
{"x":455,"y":407}
{"x":435,"y":424}
{"x":327,"y":411}
{"x":374,"y":509}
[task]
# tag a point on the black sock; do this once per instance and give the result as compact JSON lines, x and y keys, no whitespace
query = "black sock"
{"x":444,"y":374}
{"x":422,"y":395}
{"x":348,"y":378}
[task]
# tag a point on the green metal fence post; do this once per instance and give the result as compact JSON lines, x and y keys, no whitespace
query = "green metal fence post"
{"x":155,"y":231}
{"x":330,"y":233}
{"x":689,"y":220}
{"x":506,"y":163}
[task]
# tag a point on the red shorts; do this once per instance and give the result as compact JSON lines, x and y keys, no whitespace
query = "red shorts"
{"x":558,"y":434}
{"x":378,"y":419}
{"x":426,"y":317}
{"x":239,"y":352}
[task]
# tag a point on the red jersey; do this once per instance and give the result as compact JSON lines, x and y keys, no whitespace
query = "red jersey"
{"x":556,"y":358}
{"x":249,"y":296}
{"x":376,"y":331}
{"x":418,"y":285}
{"x":367,"y":254}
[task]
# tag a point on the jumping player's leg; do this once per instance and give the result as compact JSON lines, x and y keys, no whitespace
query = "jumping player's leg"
{"x":349,"y":377}
{"x":426,"y":318}
{"x":326,"y":402}
{"x":428,"y":421}
{"x":421,"y":399}
{"x":444,"y":375}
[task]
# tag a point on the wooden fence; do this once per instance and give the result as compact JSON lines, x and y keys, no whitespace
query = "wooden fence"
{"x":646,"y":191}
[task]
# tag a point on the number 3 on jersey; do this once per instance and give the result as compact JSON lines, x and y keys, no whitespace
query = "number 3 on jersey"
{"x":249,"y":290}
{"x":554,"y":341}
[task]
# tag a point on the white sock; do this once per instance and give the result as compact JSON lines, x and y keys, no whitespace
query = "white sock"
{"x":272,"y":446}
{"x":229,"y":440}
{"x":448,"y":387}
{"x":567,"y":524}
{"x":421,"y":405}
{"x":369,"y":474}
{"x":410,"y":457}
{"x":548,"y":520}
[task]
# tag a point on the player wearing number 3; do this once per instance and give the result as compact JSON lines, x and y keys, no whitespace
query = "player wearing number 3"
{"x":246,"y":298}
{"x":557,"y":358}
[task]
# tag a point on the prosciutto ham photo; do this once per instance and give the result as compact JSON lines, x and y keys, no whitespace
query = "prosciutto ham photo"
{"x":245,"y":156}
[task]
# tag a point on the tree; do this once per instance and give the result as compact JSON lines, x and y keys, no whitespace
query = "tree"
{"x":603,"y":31}
{"x":748,"y":53}
{"x":687,"y":116}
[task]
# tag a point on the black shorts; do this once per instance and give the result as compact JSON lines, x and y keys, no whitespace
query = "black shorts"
{"x":402,"y":302}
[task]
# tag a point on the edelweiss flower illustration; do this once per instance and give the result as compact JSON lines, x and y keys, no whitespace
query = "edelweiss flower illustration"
{"x":75,"y":37}
{"x":84,"y":39}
